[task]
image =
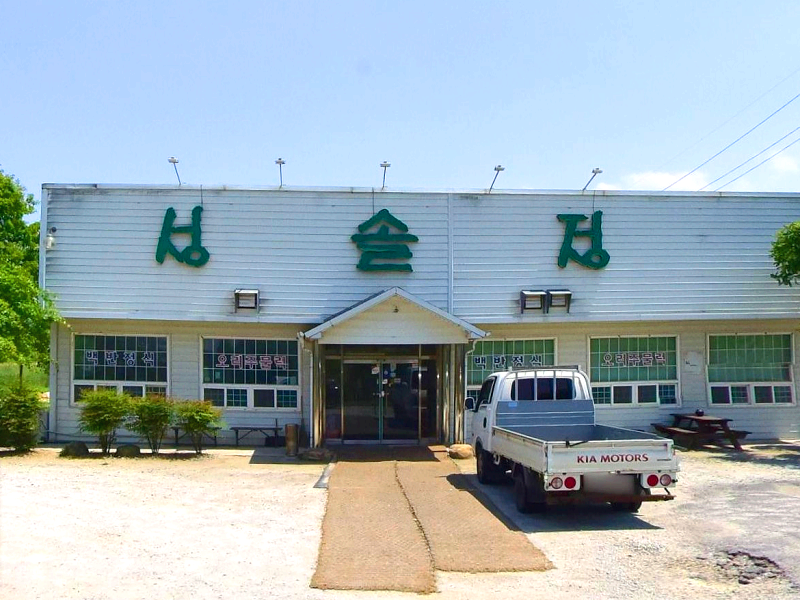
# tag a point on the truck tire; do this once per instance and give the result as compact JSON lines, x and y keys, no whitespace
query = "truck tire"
{"x":487,"y":471}
{"x":521,"y":500}
{"x":529,"y":499}
{"x":631,"y":507}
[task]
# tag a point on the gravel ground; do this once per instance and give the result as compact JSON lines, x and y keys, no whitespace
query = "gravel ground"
{"x":238,"y":524}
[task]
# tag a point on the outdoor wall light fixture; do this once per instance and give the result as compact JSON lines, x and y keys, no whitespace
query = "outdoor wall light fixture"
{"x":533,"y":300}
{"x":246,"y":299}
{"x":558,"y":299}
{"x":50,"y":239}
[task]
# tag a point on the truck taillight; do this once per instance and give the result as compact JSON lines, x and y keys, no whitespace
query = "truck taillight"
{"x":658,"y":479}
{"x":556,"y":483}
{"x":570,"y":482}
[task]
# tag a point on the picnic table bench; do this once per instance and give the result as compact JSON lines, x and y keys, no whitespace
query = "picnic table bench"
{"x":691,"y":430}
{"x":270,"y":429}
{"x":212,"y":435}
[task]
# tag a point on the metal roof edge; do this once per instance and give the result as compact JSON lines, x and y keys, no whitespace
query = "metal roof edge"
{"x":433,"y":191}
{"x":379,"y":298}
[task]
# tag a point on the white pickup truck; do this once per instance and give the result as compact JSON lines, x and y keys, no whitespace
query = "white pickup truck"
{"x":539,"y":426}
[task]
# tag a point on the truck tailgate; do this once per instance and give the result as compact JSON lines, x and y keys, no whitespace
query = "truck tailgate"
{"x":585,"y":449}
{"x":632,"y":456}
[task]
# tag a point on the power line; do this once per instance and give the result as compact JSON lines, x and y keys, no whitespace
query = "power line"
{"x":740,"y":165}
{"x":759,"y":164}
{"x":741,"y":137}
{"x":708,"y":135}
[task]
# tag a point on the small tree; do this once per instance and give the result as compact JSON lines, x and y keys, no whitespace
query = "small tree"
{"x":102,"y":412}
{"x":19,"y":418}
{"x":786,"y":254}
{"x":197,"y":418}
{"x":150,"y":417}
{"x":26,"y":312}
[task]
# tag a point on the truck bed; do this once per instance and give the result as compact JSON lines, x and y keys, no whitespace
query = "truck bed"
{"x":576,"y":434}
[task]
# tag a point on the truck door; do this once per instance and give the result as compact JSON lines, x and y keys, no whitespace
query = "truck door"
{"x":482,"y":419}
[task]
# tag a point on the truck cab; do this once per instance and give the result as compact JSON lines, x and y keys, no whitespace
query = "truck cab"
{"x":537,"y":385}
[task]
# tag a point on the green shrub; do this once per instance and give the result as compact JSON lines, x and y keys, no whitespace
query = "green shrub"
{"x":19,"y":417}
{"x":102,"y":411}
{"x":150,"y":417}
{"x":197,"y":418}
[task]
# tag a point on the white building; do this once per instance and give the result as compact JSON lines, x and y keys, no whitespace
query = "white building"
{"x":369,"y":315}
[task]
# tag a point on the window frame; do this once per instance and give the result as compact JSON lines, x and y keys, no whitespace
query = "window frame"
{"x":473,"y":389}
{"x":635,"y":384}
{"x":119,"y":384}
{"x":251,"y":387}
{"x":751,"y":385}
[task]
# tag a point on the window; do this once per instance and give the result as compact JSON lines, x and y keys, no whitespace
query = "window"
{"x":634,"y":371}
{"x":133,"y":364}
{"x":564,"y":388}
{"x":750,"y":369}
{"x":250,"y":373}
{"x":488,"y":357}
{"x":485,"y":394}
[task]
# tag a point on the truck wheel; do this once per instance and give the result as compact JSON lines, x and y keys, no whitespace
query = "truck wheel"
{"x":635,"y":506}
{"x":631,"y":507}
{"x":487,"y":472}
{"x":521,"y":494}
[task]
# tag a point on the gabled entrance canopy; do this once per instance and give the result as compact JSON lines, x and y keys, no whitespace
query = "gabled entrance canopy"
{"x":394,"y":317}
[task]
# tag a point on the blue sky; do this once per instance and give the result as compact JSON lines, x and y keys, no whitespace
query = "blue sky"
{"x":105,"y":92}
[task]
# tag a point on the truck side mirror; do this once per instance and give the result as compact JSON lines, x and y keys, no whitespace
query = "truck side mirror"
{"x":469,"y":403}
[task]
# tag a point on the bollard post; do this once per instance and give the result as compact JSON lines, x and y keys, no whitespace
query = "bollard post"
{"x":291,"y":439}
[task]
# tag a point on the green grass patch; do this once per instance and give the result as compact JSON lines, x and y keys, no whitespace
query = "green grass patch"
{"x":36,"y":379}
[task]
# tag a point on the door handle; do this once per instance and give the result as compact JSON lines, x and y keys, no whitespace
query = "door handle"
{"x":484,"y":421}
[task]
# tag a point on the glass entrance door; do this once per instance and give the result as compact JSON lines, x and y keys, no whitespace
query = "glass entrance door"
{"x":400,"y":383}
{"x":380,"y":401}
{"x":361,"y":401}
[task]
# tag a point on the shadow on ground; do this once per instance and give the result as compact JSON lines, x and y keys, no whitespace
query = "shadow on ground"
{"x":388,"y":453}
{"x":584,"y":517}
{"x":779,"y":454}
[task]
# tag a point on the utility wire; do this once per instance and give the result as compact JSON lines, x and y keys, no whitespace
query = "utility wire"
{"x":740,"y":165}
{"x":759,"y":164}
{"x":741,"y":137}
{"x":708,"y":135}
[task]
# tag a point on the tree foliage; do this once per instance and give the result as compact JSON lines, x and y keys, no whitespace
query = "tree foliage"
{"x":150,"y":417}
{"x":102,"y":412}
{"x":786,"y":254}
{"x":197,"y":418}
{"x":26,"y":312}
{"x":19,"y":417}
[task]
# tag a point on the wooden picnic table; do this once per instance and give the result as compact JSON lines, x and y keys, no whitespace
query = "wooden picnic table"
{"x":693,"y":429}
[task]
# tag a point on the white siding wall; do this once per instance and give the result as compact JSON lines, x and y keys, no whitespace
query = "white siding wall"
{"x":682,"y":264}
{"x":572,"y":347}
{"x":184,"y":369}
{"x":672,"y":256}
{"x":294,"y":247}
